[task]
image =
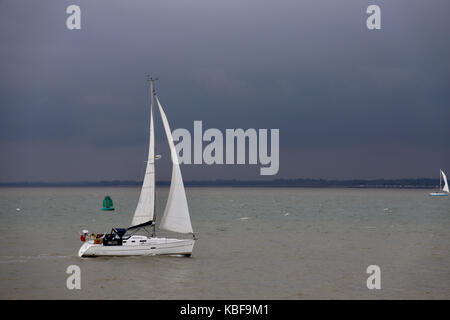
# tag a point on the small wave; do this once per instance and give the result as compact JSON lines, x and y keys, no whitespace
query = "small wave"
{"x":244,"y":218}
{"x":20,"y":259}
{"x":12,"y":261}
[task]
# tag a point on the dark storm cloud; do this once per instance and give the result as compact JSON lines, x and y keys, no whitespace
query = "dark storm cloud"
{"x":311,"y":68}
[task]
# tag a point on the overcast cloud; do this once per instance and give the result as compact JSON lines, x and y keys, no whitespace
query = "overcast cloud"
{"x":349,"y":102}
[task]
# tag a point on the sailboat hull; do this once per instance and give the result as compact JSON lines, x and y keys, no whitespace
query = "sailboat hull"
{"x":151,"y":247}
{"x":438,"y":194}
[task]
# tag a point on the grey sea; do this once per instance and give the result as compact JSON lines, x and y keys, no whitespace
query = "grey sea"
{"x":254,"y":243}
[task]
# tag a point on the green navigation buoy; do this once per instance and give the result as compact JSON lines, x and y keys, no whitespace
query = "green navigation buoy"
{"x":107,"y":204}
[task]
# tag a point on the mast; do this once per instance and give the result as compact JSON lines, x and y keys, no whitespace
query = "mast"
{"x":440,"y":179}
{"x":152,"y":93}
{"x":144,"y":214}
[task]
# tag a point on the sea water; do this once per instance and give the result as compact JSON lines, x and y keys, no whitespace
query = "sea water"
{"x":253,"y":243}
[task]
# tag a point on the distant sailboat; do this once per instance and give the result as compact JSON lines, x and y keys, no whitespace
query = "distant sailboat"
{"x":442,"y":177}
{"x":176,"y":218}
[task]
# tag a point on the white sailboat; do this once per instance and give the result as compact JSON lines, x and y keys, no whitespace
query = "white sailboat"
{"x":442,"y":177}
{"x":176,"y":218}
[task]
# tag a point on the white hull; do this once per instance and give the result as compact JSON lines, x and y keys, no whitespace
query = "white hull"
{"x":438,"y":194}
{"x":151,"y":247}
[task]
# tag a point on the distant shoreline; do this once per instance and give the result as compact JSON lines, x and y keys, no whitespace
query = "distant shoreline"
{"x":419,"y":183}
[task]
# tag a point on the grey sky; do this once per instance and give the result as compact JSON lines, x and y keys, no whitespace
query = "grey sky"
{"x":349,"y":102}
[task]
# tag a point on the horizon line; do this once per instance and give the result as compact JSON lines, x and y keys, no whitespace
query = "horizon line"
{"x":295,"y":182}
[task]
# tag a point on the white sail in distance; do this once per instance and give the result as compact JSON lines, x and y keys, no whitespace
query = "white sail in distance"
{"x":145,"y":209}
{"x":444,"y":177}
{"x":176,"y":214}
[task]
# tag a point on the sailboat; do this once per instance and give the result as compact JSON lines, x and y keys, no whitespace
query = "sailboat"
{"x":444,"y":189}
{"x":131,"y":241}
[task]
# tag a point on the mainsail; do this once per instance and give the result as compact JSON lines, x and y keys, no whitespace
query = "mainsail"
{"x":145,"y":209}
{"x":445,"y":188}
{"x":176,"y":214}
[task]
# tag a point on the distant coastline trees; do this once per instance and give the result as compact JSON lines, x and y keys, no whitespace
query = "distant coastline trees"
{"x":306,"y":183}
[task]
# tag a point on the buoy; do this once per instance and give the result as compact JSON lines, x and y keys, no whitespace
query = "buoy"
{"x":107,"y":204}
